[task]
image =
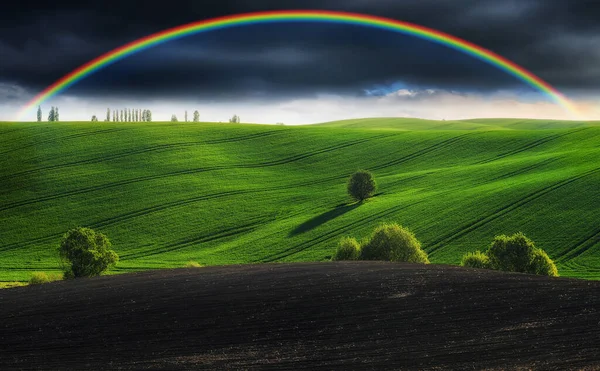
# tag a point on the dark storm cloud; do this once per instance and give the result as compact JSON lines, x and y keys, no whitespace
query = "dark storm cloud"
{"x":557,"y":40}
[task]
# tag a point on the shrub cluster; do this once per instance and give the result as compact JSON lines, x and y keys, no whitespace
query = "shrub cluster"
{"x":390,"y":242}
{"x":476,"y":259}
{"x":515,"y":253}
{"x":348,"y":249}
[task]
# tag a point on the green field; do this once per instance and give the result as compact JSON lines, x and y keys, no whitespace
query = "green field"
{"x":167,"y":193}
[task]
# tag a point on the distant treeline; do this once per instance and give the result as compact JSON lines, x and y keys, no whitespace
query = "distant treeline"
{"x":130,"y":115}
{"x":52,"y":115}
{"x":127,"y":115}
{"x":115,"y":115}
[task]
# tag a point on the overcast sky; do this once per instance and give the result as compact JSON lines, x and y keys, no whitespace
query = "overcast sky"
{"x":303,"y":72}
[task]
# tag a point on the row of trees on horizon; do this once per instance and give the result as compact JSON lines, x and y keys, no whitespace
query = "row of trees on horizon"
{"x":128,"y":115}
{"x":52,"y":115}
{"x":196,"y":117}
{"x":122,"y":115}
{"x":234,"y":119}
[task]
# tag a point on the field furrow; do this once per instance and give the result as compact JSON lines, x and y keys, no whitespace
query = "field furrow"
{"x":156,"y":148}
{"x":580,"y":247}
{"x":62,"y":138}
{"x":105,"y":186}
{"x":434,"y":246}
{"x":531,"y":145}
{"x":422,"y":152}
{"x":178,"y":245}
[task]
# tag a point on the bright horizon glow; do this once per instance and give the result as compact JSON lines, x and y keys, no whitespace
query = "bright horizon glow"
{"x":328,"y":107}
{"x":299,"y":15}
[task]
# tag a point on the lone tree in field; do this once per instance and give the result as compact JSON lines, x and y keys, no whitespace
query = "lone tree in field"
{"x":361,"y":185}
{"x":515,"y":253}
{"x":235,"y":119}
{"x":173,"y":118}
{"x":196,"y":116}
{"x":85,"y":253}
{"x":186,"y":117}
{"x":39,"y":114}
{"x":94,"y":118}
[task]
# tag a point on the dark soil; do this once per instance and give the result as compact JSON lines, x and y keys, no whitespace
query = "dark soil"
{"x":351,"y":315}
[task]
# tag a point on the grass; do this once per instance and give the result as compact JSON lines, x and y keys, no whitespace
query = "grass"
{"x":401,"y":123}
{"x":38,"y":278}
{"x":169,"y":193}
{"x":10,"y":285}
{"x":193,"y":264}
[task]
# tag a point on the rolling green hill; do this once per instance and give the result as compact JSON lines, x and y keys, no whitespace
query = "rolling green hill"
{"x":401,"y":123}
{"x":167,"y":193}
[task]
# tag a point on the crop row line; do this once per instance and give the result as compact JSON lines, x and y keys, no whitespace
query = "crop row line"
{"x":525,"y":169}
{"x":436,"y":245}
{"x":169,"y":205}
{"x":155,"y":148}
{"x":183,"y":172}
{"x":193,"y":241}
{"x":421,"y":152}
{"x":531,"y":145}
{"x":70,"y":136}
{"x":580,"y":247}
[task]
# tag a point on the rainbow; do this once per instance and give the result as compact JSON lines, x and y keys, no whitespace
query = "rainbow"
{"x":298,"y":16}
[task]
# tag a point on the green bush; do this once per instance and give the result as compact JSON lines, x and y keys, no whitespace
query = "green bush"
{"x":511,"y":253}
{"x":348,"y":249}
{"x":476,"y":259}
{"x":361,"y":185}
{"x":394,"y":243}
{"x":85,"y":253}
{"x":542,"y":264}
{"x":38,"y":278}
{"x":517,"y":253}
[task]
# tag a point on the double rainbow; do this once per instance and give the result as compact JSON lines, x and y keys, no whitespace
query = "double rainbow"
{"x":303,"y":16}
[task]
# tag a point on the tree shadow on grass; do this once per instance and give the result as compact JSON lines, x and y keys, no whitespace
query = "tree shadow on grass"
{"x":324,"y":218}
